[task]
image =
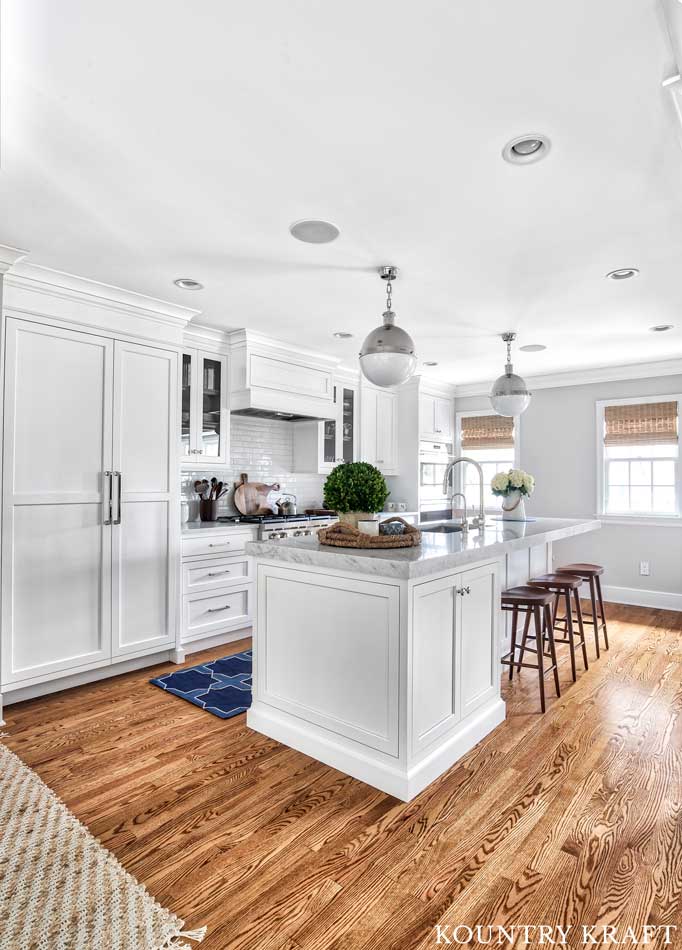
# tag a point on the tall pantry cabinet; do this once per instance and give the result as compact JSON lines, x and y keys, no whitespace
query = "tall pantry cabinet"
{"x":90,"y":488}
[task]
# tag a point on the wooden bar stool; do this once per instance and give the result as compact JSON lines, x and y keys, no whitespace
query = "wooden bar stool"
{"x":562,"y":586}
{"x":536,"y":604}
{"x":591,"y":573}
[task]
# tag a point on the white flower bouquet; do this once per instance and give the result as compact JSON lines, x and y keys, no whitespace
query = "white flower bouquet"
{"x":515,"y":480}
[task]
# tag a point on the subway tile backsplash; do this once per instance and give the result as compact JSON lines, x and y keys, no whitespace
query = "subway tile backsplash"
{"x":264,"y":449}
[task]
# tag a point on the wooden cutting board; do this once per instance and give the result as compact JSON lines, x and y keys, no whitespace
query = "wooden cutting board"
{"x":251,"y":498}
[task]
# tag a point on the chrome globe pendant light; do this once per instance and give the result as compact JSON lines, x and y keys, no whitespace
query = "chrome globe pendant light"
{"x":387,"y":356}
{"x":510,"y":395}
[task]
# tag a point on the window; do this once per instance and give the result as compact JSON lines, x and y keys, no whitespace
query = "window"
{"x":639,"y":457}
{"x":492,"y":441}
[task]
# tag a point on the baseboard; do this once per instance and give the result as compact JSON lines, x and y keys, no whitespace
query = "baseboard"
{"x":14,"y":693}
{"x":662,"y":600}
{"x":195,"y":646}
{"x":375,"y":768}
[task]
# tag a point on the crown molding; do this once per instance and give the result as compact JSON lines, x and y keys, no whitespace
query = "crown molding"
{"x":200,"y":335}
{"x":254,"y":339}
{"x":583,"y":377}
{"x":67,"y":287}
{"x":9,"y":256}
{"x":435,"y":387}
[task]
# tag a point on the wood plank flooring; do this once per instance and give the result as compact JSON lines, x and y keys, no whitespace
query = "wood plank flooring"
{"x":574,"y":817}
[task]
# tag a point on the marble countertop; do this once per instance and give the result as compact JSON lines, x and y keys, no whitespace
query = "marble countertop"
{"x":437,"y":552}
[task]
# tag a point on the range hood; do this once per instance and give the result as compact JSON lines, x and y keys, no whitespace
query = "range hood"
{"x":271,"y":380}
{"x":277,"y":416}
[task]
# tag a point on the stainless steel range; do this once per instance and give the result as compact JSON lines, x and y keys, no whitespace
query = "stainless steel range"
{"x":275,"y":527}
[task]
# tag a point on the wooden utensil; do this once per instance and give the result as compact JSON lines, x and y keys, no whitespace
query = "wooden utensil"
{"x":251,"y":498}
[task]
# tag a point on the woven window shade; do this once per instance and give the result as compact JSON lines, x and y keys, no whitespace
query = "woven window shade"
{"x":646,"y":423}
{"x":487,"y":432}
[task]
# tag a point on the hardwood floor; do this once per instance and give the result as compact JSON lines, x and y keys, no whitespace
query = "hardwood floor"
{"x":574,"y":817}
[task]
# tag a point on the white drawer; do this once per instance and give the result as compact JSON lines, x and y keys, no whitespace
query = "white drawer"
{"x":211,"y":573}
{"x":205,"y":615}
{"x":216,"y":544}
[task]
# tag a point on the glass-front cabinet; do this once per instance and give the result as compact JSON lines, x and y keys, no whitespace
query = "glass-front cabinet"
{"x":320,"y":446}
{"x":340,"y":434}
{"x":204,"y":421}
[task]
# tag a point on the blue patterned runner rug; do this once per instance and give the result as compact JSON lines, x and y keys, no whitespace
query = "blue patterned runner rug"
{"x":221,"y":687}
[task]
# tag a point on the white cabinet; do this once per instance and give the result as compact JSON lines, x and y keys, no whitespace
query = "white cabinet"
{"x":396,"y":684}
{"x":56,"y":548}
{"x":321,"y":445}
{"x":379,"y":428}
{"x":204,"y":416}
{"x":144,"y":515}
{"x":436,"y":417}
{"x":89,"y":545}
{"x":217,"y":586}
{"x":455,"y":651}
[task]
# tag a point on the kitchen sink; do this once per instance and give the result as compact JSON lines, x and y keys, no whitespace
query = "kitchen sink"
{"x":442,"y":528}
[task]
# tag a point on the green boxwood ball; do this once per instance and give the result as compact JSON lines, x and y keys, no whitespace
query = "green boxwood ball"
{"x":355,"y":486}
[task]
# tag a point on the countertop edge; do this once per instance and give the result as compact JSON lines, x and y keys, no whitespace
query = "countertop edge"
{"x":344,"y":559}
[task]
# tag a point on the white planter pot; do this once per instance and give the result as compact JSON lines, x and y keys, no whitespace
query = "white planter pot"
{"x":513,"y":507}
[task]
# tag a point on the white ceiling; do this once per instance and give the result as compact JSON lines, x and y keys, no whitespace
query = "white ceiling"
{"x":148,"y":141}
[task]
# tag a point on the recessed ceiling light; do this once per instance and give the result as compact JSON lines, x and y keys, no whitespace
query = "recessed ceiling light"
{"x":532,"y":347}
{"x":661,"y":327}
{"x":623,"y":273}
{"x":342,"y":335}
{"x":313,"y":231}
{"x":430,"y":363}
{"x":186,"y":283}
{"x":524,"y":149}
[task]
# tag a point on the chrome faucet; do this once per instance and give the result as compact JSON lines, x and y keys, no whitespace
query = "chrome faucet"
{"x":478,"y":522}
{"x":465,"y":517}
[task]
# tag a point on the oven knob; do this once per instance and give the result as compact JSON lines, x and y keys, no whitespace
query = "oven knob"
{"x":307,"y":532}
{"x":297,"y":534}
{"x":282,"y":534}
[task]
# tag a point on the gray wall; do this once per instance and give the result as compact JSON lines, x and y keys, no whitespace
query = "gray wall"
{"x":558,"y":441}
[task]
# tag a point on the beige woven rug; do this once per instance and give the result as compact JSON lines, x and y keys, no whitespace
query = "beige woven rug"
{"x":59,"y":888}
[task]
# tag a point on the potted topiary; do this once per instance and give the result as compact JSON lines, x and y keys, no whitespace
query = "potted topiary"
{"x":356,"y":490}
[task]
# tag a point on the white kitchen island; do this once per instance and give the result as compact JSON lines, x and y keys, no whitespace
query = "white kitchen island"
{"x":385,"y":664}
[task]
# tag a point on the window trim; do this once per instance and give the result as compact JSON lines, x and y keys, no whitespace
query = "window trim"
{"x":645,"y":517}
{"x":466,"y":414}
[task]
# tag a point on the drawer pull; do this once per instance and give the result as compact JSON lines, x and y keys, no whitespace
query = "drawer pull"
{"x":216,"y":573}
{"x":223,"y":544}
{"x":216,"y":610}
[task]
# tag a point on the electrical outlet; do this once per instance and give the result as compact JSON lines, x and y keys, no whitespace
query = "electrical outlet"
{"x":644,"y":570}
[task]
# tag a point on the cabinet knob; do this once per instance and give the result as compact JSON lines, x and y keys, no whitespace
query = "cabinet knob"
{"x":463,"y":590}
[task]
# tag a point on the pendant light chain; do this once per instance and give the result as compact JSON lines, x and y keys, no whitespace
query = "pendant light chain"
{"x":389,"y":295}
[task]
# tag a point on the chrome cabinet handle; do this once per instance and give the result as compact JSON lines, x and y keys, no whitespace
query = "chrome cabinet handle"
{"x":216,"y":610}
{"x":117,"y":519}
{"x":223,"y":544}
{"x":108,"y":501}
{"x":217,"y":573}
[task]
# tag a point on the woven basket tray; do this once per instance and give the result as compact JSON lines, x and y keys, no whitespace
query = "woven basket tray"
{"x":345,"y":536}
